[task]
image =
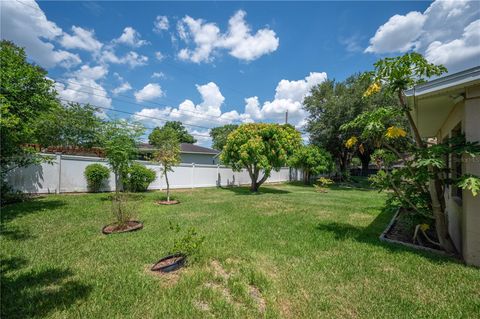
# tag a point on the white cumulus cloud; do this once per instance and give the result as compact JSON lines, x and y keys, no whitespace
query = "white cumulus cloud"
{"x":82,"y":86}
{"x":206,"y":38}
{"x":399,"y":34}
{"x":131,"y":37}
{"x":446,"y":32}
{"x":122,"y":88}
{"x":161,"y":24}
{"x":149,"y":92}
{"x":81,"y":39}
{"x":132,"y":58}
{"x":26,"y":24}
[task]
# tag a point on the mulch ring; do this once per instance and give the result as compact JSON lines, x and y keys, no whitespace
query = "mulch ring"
{"x":131,"y":225}
{"x":165,"y":202}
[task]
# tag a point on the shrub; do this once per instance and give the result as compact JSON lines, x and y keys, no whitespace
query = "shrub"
{"x":189,"y":243}
{"x":322,"y":183}
{"x":96,"y":175}
{"x":139,"y":177}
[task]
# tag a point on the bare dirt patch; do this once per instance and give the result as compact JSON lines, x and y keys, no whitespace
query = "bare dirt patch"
{"x":223,"y":291}
{"x":257,"y":297}
{"x":218,"y":270}
{"x":168,"y":279}
{"x":201,"y":305}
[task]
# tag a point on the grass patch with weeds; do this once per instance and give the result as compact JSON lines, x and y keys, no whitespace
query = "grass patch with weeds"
{"x":289,"y":252}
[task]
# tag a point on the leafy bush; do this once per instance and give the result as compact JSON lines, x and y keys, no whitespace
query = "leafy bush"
{"x":139,"y":177}
{"x":96,"y":175}
{"x":321,"y":184}
{"x":323,"y":181}
{"x":188,"y":244}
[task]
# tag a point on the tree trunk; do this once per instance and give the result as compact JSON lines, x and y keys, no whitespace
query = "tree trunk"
{"x":440,"y":220}
{"x":365,"y":158}
{"x":254,"y":186}
{"x":168,"y":186}
{"x":306,"y":176}
{"x":117,"y":183}
{"x":435,"y":189}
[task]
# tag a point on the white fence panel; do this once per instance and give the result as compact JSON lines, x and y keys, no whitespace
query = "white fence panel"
{"x":66,"y":174}
{"x":41,"y":178}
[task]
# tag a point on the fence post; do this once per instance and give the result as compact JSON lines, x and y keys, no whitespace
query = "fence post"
{"x":193,"y":175}
{"x":59,"y":171}
{"x":219,"y":181}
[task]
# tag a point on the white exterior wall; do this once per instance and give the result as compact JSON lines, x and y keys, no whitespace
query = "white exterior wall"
{"x":471,"y":204}
{"x":65,"y":175}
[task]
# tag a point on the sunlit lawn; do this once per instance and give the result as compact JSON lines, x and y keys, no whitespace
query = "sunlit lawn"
{"x":288,"y":252}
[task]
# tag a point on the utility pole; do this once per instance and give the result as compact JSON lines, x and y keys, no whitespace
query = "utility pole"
{"x":286,"y":117}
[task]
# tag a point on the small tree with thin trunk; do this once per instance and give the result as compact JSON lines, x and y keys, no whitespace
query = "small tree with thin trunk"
{"x":119,"y":142}
{"x":167,"y":151}
{"x":260,"y":147}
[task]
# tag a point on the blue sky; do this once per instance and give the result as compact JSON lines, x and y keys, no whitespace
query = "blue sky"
{"x":213,"y":63}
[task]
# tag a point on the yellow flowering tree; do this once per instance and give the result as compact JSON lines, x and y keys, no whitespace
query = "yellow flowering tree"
{"x":425,"y":168}
{"x":260,"y":148}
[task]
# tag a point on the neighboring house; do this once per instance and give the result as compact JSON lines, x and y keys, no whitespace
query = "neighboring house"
{"x":189,"y":153}
{"x":443,"y":108}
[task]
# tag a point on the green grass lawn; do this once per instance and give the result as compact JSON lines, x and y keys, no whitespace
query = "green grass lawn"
{"x":288,"y":252}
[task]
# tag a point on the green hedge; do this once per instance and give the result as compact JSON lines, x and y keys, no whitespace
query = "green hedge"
{"x":96,"y":175}
{"x":139,"y":177}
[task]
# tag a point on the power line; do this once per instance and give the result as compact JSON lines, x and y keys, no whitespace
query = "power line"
{"x":131,"y":113}
{"x":152,"y":128}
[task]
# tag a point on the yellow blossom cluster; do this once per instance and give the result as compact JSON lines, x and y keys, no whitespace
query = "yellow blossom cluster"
{"x":395,"y":132}
{"x":351,"y":142}
{"x":372,"y":89}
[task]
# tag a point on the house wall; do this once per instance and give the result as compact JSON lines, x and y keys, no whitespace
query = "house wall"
{"x":471,"y":204}
{"x":189,"y":158}
{"x":453,"y":205}
{"x":464,"y":214}
{"x":65,"y":174}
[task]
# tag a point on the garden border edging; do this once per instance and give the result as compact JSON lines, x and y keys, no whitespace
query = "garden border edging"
{"x":384,"y":238}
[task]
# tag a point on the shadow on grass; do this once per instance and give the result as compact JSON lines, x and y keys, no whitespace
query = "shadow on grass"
{"x":34,"y":294}
{"x":130,"y":196}
{"x":370,"y":235}
{"x":32,"y":206}
{"x":240,"y":190}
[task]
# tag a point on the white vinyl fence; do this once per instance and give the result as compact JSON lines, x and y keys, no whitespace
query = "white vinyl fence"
{"x":65,"y":175}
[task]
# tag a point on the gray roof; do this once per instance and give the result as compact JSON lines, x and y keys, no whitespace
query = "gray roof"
{"x":446,"y":82}
{"x":184,"y":148}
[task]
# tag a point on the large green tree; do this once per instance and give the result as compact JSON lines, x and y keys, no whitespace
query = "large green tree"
{"x":25,"y":94}
{"x":260,"y":147}
{"x":180,"y":130}
{"x":69,"y":125}
{"x":219,"y":135}
{"x":167,"y":151}
{"x":312,"y":160}
{"x":333,"y":103}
